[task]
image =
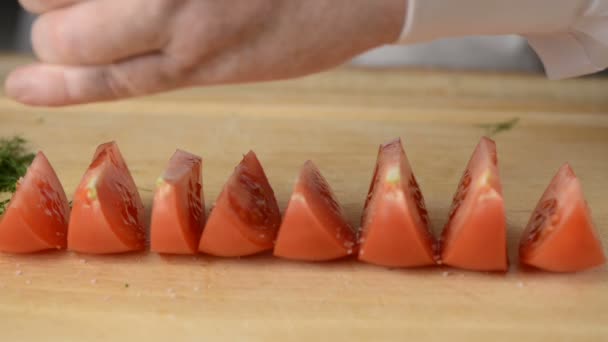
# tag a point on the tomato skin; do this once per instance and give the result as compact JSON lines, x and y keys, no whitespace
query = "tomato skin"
{"x":246,"y":215}
{"x":475,"y":236}
{"x":107,"y":211}
{"x":314,"y":227}
{"x":395,"y":224}
{"x":36,"y":218}
{"x":178,"y":213}
{"x":560,"y":236}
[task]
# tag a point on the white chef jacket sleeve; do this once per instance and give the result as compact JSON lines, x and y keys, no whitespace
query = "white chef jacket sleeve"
{"x":569,"y":36}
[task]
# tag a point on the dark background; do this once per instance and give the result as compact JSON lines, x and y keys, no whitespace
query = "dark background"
{"x":9,"y":18}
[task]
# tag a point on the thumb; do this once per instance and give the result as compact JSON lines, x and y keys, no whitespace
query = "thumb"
{"x":58,"y":85}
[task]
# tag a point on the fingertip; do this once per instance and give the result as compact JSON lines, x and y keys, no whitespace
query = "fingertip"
{"x":32,"y":6}
{"x":48,"y":45}
{"x":37,"y":85}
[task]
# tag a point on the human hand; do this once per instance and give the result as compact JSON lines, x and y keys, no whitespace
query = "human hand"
{"x":99,"y":50}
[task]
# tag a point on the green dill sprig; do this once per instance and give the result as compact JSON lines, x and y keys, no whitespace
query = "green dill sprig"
{"x":3,"y":205}
{"x":495,"y":128}
{"x":14,"y":161}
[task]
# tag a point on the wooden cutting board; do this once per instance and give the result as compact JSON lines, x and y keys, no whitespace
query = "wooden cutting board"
{"x":336,"y":119}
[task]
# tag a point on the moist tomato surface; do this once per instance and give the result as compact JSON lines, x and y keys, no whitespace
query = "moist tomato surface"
{"x":37,"y":216}
{"x":246,"y":216}
{"x":560,"y":235}
{"x":107,"y":211}
{"x":475,"y":235}
{"x":178,"y":212}
{"x":314,"y":226}
{"x":395,"y":223}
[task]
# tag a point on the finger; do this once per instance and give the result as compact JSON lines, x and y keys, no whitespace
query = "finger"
{"x":42,"y":6}
{"x":101,"y":32}
{"x":55,"y":85}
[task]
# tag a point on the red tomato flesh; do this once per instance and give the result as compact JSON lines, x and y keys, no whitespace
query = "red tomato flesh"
{"x":475,"y":236}
{"x":314,"y":227}
{"x":395,"y":223}
{"x":246,"y":215}
{"x":37,"y":216}
{"x":107,"y":212}
{"x":560,"y":235}
{"x":178,"y":211}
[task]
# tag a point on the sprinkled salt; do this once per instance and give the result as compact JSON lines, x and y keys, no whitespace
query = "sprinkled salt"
{"x":93,"y":281}
{"x":18,"y":272}
{"x":350,"y":251}
{"x":348,"y":244}
{"x":520,"y":284}
{"x":445,"y":273}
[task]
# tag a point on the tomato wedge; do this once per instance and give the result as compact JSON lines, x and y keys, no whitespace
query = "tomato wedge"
{"x":475,"y":236}
{"x":246,"y":215}
{"x":178,"y":211}
{"x":560,"y":235}
{"x":37,"y":216}
{"x":107,"y":212}
{"x":395,"y":223}
{"x":314,"y":227}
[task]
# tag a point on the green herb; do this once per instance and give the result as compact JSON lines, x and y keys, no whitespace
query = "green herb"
{"x":14,"y":161}
{"x":126,"y":285}
{"x":3,"y":205}
{"x":495,"y":128}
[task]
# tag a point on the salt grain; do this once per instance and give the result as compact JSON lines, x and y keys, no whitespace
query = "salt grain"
{"x":93,"y":281}
{"x":27,"y":282}
{"x":350,"y":251}
{"x":445,"y":274}
{"x":520,"y":284}
{"x":18,"y":272}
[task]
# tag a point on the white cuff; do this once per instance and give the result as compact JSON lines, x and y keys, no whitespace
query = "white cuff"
{"x":570,"y":36}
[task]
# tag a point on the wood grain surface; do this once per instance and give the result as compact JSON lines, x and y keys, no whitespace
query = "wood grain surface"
{"x":336,"y":119}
